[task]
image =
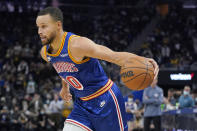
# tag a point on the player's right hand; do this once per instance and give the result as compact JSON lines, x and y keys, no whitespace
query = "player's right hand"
{"x":155,"y":65}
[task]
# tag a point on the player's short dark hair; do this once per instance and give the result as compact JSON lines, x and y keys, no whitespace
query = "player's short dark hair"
{"x":55,"y":13}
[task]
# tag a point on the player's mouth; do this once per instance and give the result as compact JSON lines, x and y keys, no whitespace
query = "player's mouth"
{"x":43,"y":38}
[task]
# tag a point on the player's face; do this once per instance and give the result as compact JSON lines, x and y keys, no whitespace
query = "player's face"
{"x":46,"y":28}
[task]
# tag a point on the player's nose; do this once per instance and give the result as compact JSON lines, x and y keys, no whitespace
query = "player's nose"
{"x":39,"y":31}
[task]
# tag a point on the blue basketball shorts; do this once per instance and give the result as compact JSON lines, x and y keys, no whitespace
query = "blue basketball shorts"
{"x":103,"y":113}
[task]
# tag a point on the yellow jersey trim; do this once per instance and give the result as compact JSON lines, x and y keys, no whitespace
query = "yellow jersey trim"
{"x":61,"y":47}
{"x":105,"y":88}
{"x":45,"y":51}
{"x":71,"y":57}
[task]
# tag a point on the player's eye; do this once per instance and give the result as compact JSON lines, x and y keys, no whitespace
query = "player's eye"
{"x":43,"y":26}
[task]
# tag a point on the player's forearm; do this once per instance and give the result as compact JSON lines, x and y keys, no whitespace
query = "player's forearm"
{"x":64,"y":89}
{"x":65,"y":92}
{"x":119,"y":58}
{"x":64,"y":84}
{"x":122,"y":58}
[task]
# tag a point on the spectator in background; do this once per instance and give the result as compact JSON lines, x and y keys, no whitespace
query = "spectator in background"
{"x":194,"y":96}
{"x":23,"y":67}
{"x":139,"y":104}
{"x":138,"y":123}
{"x":171,"y":103}
{"x":47,"y":102}
{"x":55,"y":107}
{"x":186,"y":99}
{"x":35,"y":105}
{"x":23,"y":119}
{"x":170,"y":97}
{"x":131,"y":108}
{"x":14,"y":117}
{"x":4,"y":119}
{"x":56,"y":104}
{"x":152,"y":99}
{"x":31,"y":86}
{"x":167,"y":105}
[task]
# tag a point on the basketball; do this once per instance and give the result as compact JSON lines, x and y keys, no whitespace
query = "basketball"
{"x":137,"y":74}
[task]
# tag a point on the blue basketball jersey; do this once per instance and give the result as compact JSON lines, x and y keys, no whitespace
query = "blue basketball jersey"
{"x":99,"y":103}
{"x":85,"y":77}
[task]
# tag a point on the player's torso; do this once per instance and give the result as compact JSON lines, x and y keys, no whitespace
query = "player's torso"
{"x":84,"y":77}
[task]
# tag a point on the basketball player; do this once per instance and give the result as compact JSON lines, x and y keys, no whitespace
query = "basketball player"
{"x":99,"y":104}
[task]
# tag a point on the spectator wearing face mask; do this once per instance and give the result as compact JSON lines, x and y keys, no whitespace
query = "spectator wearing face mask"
{"x":131,"y":108}
{"x":186,"y":99}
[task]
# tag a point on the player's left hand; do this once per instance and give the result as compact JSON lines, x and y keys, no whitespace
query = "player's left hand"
{"x":67,"y":97}
{"x":65,"y":94}
{"x":155,"y":65}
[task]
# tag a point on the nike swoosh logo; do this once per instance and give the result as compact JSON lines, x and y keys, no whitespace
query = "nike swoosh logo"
{"x":64,"y":55}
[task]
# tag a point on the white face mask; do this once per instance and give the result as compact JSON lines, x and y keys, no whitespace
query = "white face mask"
{"x":185,"y":93}
{"x":130,"y":99}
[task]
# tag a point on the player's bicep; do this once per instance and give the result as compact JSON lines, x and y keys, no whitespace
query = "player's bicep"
{"x":88,"y":48}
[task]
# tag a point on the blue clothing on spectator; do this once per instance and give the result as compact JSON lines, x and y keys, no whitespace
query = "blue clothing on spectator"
{"x":2,"y":83}
{"x":138,"y":95}
{"x":173,"y":101}
{"x":186,"y":101}
{"x":129,"y":115}
{"x":152,"y":99}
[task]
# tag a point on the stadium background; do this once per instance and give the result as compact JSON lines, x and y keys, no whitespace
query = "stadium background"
{"x":160,"y":29}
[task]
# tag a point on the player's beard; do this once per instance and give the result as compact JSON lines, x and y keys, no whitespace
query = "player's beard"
{"x":50,"y":39}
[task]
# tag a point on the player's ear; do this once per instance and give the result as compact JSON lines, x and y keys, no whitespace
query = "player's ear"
{"x":59,"y":24}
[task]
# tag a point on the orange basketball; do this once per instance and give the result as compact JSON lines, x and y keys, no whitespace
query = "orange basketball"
{"x":137,"y":74}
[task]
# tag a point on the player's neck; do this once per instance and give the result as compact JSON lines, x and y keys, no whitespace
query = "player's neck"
{"x":55,"y":45}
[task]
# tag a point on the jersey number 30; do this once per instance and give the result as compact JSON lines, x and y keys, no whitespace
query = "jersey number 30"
{"x":74,"y":82}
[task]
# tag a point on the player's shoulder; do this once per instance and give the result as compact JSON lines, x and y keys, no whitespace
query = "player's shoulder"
{"x":77,"y":43}
{"x":43,"y":53}
{"x":76,"y":40}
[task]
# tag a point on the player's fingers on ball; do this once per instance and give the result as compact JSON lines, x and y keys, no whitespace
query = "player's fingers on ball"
{"x":156,"y":75}
{"x":155,"y":66}
{"x":152,"y":62}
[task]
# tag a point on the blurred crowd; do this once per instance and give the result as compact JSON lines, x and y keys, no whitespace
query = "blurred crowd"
{"x":173,"y":42}
{"x":29,"y":87}
{"x":35,"y":5}
{"x":139,"y":109}
{"x":23,"y":5}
